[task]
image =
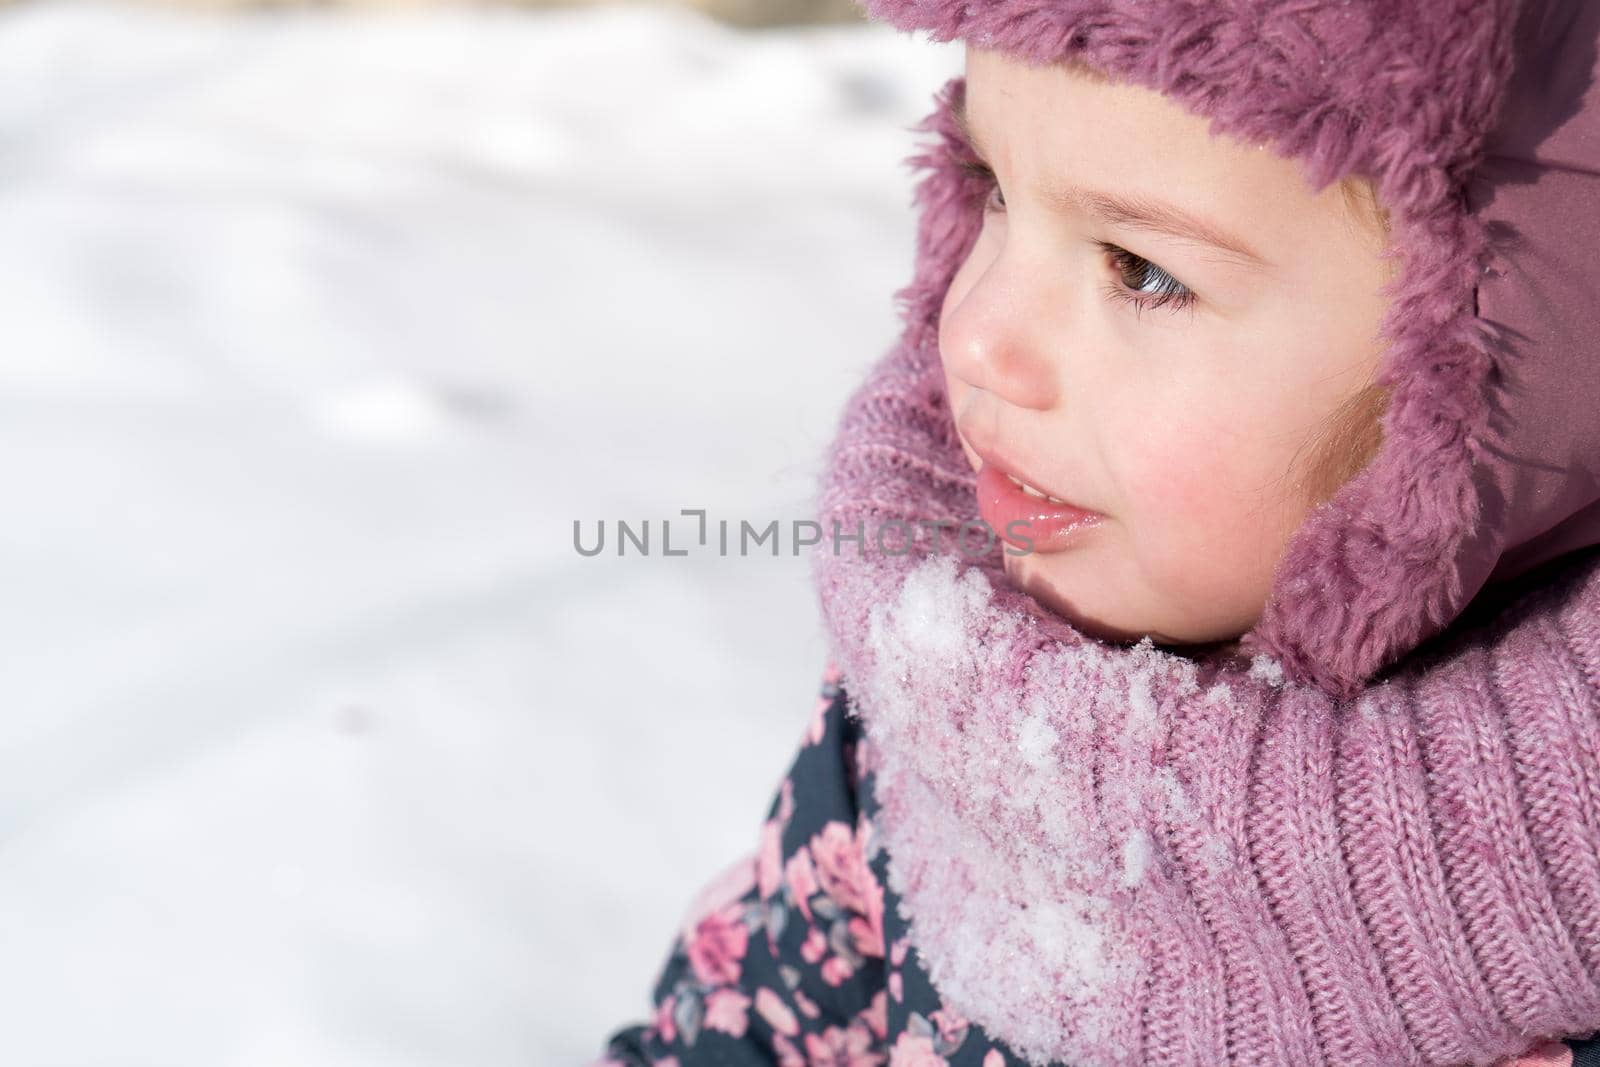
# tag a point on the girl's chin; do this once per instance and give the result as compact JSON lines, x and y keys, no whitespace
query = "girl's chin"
{"x":1052,"y":589}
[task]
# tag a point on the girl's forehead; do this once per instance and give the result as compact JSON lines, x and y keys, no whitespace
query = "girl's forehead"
{"x":1068,"y":124}
{"x":1073,"y":64}
{"x":1072,"y":151}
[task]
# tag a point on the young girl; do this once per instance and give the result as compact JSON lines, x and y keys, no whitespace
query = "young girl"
{"x":1267,"y":728}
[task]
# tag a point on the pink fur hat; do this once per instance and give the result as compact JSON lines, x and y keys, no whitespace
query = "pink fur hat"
{"x":1478,"y":122}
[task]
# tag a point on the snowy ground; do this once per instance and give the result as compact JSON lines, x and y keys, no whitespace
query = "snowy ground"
{"x":321,"y":744}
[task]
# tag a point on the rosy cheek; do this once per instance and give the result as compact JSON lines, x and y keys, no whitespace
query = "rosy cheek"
{"x":1170,"y":474}
{"x":1183,"y":508}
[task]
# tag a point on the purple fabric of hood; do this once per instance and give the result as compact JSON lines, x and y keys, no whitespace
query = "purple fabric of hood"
{"x":1478,"y":122}
{"x":1538,"y":190}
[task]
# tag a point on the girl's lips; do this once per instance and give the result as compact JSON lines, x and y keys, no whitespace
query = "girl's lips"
{"x":1025,"y":521}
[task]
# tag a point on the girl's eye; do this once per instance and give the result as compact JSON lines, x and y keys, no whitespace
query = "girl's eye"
{"x":1142,"y":283}
{"x":994,"y":199}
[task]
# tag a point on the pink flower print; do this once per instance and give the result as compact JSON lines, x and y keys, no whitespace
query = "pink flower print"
{"x":819,"y":721}
{"x":664,"y":1024}
{"x":897,"y":987}
{"x":897,"y":954}
{"x":777,"y":1014}
{"x":727,"y":1010}
{"x":786,"y":800}
{"x":992,"y":1058}
{"x":836,"y":970}
{"x":737,"y":879}
{"x":808,"y":1007}
{"x":802,"y":878}
{"x":951,"y":1027}
{"x":913,"y":1051}
{"x":716,"y":952}
{"x":788,"y":1055}
{"x":848,"y":880}
{"x":877,"y":1015}
{"x":867,"y":932}
{"x":842,"y":1047}
{"x":769,"y":859}
{"x":814,"y":946}
{"x":832,"y":674}
{"x":1548,"y":1054}
{"x":841,"y":869}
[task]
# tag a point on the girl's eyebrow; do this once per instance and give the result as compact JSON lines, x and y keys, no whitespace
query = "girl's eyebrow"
{"x":1133,"y":211}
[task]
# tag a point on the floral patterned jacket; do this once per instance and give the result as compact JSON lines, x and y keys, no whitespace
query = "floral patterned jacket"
{"x":798,"y":955}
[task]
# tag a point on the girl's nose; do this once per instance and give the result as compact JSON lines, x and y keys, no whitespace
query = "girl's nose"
{"x":994,"y":340}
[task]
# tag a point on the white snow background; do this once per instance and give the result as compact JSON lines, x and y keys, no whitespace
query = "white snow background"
{"x":320,"y":743}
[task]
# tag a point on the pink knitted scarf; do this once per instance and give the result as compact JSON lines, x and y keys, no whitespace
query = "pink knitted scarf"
{"x":1375,"y":837}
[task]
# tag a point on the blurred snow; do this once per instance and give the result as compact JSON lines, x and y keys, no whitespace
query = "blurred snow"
{"x":322,"y":745}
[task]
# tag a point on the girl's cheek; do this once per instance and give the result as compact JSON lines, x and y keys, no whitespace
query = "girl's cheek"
{"x":1178,"y":490}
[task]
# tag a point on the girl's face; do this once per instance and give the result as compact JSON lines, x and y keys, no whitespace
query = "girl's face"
{"x":1151,"y":326}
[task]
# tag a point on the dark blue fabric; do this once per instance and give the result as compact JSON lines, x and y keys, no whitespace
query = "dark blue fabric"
{"x":826,"y":786}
